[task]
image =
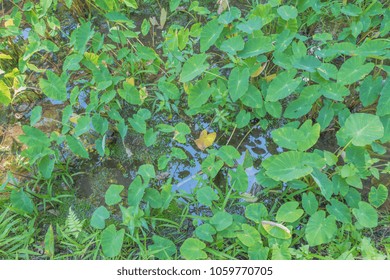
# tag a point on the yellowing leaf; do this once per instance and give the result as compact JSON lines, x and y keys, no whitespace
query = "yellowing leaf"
{"x":5,"y":56}
{"x":259,"y":70}
{"x":143,"y":93}
{"x":270,"y":77}
{"x":130,"y":81}
{"x":205,"y":140}
{"x":9,"y":23}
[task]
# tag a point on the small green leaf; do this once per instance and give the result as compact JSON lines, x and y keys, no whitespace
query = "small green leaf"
{"x":340,"y":211}
{"x":256,"y":212}
{"x":192,"y":249}
{"x":239,"y":179}
{"x":112,"y":241}
{"x":162,"y":248}
{"x":378,"y":196}
{"x":147,"y":172}
{"x":35,"y":115}
{"x":288,"y":212}
{"x":54,"y":87}
{"x":210,"y":34}
{"x":138,"y":123}
{"x":76,"y":146}
{"x":221,"y":220}
{"x":287,"y":12}
{"x":320,"y":230}
{"x":249,"y":236}
{"x":112,"y":195}
{"x":82,"y":126}
{"x":211,"y":167}
{"x":5,"y":93}
{"x":99,"y":216}
{"x":238,"y":83}
{"x":21,"y":201}
{"x":135,"y":192}
{"x":153,"y":197}
{"x":206,"y":195}
{"x":309,"y":203}
{"x":228,"y":154}
{"x":193,"y":67}
{"x":366,"y":215}
{"x":282,"y":86}
{"x":205,"y":232}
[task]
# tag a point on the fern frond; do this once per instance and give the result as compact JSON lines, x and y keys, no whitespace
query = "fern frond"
{"x":73,"y":225}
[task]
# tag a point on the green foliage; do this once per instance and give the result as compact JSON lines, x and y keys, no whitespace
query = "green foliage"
{"x":319,"y":99}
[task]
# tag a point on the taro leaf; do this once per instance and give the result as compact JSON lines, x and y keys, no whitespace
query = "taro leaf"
{"x":327,"y":71}
{"x":147,"y":172}
{"x":308,"y":63}
{"x":181,"y":130}
{"x":369,"y":90}
{"x":366,"y":215}
{"x":112,"y":195}
{"x":256,"y":212}
{"x":76,"y":146}
{"x":282,"y":86}
{"x":297,"y":139}
{"x":290,"y":165}
{"x":21,"y":201}
{"x":287,"y":12}
{"x":228,"y":154}
{"x":206,"y":195}
{"x":230,"y":15}
{"x":258,"y":252}
{"x":100,"y":124}
{"x":378,"y":196}
{"x":252,"y":98}
{"x":169,"y":90}
{"x":136,"y":192}
{"x":233,"y":45}
{"x":112,"y":241}
{"x":54,"y":87}
{"x":49,"y":242}
{"x":276,"y":230}
{"x":320,"y":230}
{"x":130,"y":94}
{"x":153,"y":197}
{"x":251,"y":25}
{"x":362,"y":129}
{"x":46,"y":166}
{"x":243,"y":118}
{"x":353,"y":70}
{"x":257,"y":46}
{"x":325,"y":116}
{"x":221,"y":220}
{"x":162,"y":248}
{"x":239,"y":179}
{"x":192,"y":249}
{"x":288,"y":212}
{"x":211,"y":167}
{"x":210,"y":34}
{"x":5,"y":93}
{"x":193,"y":67}
{"x":274,"y":109}
{"x":35,"y":115}
{"x":81,"y":36}
{"x":199,"y":94}
{"x":138,"y":123}
{"x":178,"y":153}
{"x":205,"y":232}
{"x":150,"y":137}
{"x":309,"y":203}
{"x":82,"y":126}
{"x":334,"y":91}
{"x":249,"y":236}
{"x":323,"y":182}
{"x":99,"y":216}
{"x":238,"y":83}
{"x":383,"y":107}
{"x":340,"y":211}
{"x":205,"y":140}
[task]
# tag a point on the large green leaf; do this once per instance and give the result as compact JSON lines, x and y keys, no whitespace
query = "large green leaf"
{"x":287,"y":12}
{"x":252,"y":98}
{"x":362,"y":129}
{"x":210,"y":34}
{"x":205,"y":232}
{"x":54,"y":87}
{"x":228,"y":154}
{"x":340,"y":211}
{"x":256,"y":212}
{"x":135,"y":192}
{"x":309,"y":203}
{"x":206,"y":195}
{"x":192,"y":249}
{"x":369,"y":90}
{"x":21,"y":201}
{"x":130,"y":94}
{"x":193,"y":67}
{"x":257,"y":46}
{"x":353,"y":70}
{"x":249,"y":236}
{"x":81,"y":36}
{"x":112,"y":241}
{"x":320,"y":230}
{"x":238,"y":83}
{"x":282,"y":86}
{"x":297,"y":139}
{"x":323,"y":182}
{"x":221,"y":220}
{"x":291,"y":165}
